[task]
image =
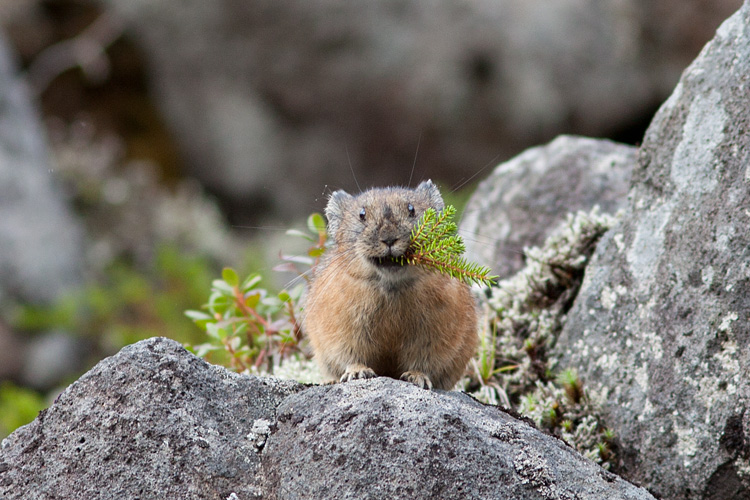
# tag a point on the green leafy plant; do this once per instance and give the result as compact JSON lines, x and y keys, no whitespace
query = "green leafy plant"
{"x":246,"y":324}
{"x":250,"y":328}
{"x":572,"y":384}
{"x":435,"y":244}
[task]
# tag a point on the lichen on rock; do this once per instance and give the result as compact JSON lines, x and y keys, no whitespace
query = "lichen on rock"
{"x":525,"y":315}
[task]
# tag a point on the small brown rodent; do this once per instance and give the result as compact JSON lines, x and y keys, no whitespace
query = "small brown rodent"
{"x":367,"y":315}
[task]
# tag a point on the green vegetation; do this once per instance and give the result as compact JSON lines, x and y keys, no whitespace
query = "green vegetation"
{"x":250,"y":329}
{"x":435,"y":244}
{"x":18,"y":406}
{"x":127,"y":304}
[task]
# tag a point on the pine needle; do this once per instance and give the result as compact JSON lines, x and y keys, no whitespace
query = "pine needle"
{"x":435,"y":244}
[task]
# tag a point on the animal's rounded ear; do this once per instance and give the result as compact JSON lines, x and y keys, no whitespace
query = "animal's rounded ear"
{"x":335,"y":209}
{"x":433,"y":194}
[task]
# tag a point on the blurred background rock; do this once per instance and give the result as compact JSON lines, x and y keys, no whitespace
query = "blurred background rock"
{"x":144,"y":145}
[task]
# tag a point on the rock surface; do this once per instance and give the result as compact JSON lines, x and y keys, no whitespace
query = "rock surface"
{"x":154,"y":421}
{"x":40,"y":241}
{"x":272,"y":100}
{"x":527,"y":197}
{"x":662,"y":321}
{"x":386,"y":439}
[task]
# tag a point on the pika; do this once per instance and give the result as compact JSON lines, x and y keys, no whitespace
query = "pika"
{"x":368,"y":315}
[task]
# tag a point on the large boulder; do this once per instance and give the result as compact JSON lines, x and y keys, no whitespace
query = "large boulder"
{"x":152,"y":421}
{"x":662,"y":322}
{"x":41,"y":251}
{"x":156,"y":422}
{"x":387,"y":439}
{"x":529,"y":196}
{"x":273,"y":100}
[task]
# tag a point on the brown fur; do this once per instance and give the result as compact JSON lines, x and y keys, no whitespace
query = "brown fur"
{"x":404,"y":322}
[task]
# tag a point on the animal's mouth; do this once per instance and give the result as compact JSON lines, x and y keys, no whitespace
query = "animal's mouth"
{"x":389,"y":262}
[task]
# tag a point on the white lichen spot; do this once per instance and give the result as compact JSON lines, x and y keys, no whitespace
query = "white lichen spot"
{"x":654,"y":342}
{"x":259,"y":433}
{"x":641,"y":377}
{"x":608,"y":298}
{"x":728,"y":358}
{"x":708,"y":385}
{"x":687,"y":445}
{"x":607,"y":361}
{"x":707,"y":276}
{"x":648,"y":410}
{"x":644,"y":310}
{"x":742,"y":466}
{"x":694,"y":164}
{"x":726,"y":322}
{"x":585,"y":351}
{"x":619,"y":242}
{"x":724,"y":236}
{"x":644,"y":254}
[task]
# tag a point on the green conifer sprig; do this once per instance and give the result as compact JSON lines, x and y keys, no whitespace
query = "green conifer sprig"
{"x":435,"y":244}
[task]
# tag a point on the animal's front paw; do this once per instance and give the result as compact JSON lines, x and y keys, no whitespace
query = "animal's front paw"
{"x":357,"y":371}
{"x":417,"y":378}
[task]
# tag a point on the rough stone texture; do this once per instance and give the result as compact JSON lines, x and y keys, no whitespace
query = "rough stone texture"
{"x":384,"y":439}
{"x":527,"y":197}
{"x":152,"y":421}
{"x":662,"y":319}
{"x":40,"y":242}
{"x":272,"y":100}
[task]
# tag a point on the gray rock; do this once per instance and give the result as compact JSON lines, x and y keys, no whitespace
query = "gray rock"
{"x":386,"y":439}
{"x":527,"y":197}
{"x":40,"y":241}
{"x":272,"y":100}
{"x":662,"y":320}
{"x":154,"y":421}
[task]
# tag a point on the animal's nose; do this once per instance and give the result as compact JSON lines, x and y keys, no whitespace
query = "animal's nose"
{"x":389,"y":241}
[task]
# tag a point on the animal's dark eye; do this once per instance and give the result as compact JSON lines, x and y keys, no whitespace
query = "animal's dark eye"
{"x":362,"y":214}
{"x":411,"y":210}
